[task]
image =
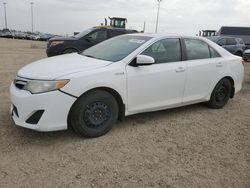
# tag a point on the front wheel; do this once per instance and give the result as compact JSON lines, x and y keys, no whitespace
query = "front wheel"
{"x":94,"y":114}
{"x":220,"y":94}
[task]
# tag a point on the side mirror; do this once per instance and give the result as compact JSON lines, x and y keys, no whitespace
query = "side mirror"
{"x":144,"y":60}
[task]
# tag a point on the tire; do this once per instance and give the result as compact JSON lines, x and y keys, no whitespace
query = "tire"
{"x":238,"y":53}
{"x":69,"y":51}
{"x":220,"y":94}
{"x":94,"y":114}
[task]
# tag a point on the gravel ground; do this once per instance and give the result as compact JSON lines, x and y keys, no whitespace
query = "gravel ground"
{"x":192,"y":146}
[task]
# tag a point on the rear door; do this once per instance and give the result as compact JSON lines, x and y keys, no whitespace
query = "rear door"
{"x":204,"y":68}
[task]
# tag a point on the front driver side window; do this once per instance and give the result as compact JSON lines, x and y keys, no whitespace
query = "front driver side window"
{"x":164,"y":51}
{"x":98,"y":35}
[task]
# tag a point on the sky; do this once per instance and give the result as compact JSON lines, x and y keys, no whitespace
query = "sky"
{"x":176,"y":16}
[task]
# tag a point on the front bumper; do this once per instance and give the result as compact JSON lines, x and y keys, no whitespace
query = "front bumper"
{"x":55,"y":106}
{"x":53,"y":51}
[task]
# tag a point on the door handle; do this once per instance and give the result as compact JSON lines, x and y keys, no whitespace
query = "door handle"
{"x":219,"y":65}
{"x":180,"y":69}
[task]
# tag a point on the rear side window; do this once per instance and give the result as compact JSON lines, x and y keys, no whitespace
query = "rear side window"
{"x":165,"y":51}
{"x":98,"y":35}
{"x":231,"y":41}
{"x":213,"y":53}
{"x":240,"y":41}
{"x":196,"y":49}
{"x":222,"y":42}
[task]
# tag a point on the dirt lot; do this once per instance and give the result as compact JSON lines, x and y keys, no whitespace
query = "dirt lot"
{"x":192,"y":146}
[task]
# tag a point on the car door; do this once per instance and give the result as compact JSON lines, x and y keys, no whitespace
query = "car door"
{"x":159,"y":85}
{"x":204,"y":68}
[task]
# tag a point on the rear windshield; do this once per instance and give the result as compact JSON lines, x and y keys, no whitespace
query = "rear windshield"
{"x":115,"y":49}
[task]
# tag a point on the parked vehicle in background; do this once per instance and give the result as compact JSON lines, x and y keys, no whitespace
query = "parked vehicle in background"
{"x":33,"y":36}
{"x":6,"y":33}
{"x":124,"y":75}
{"x":237,"y":32}
{"x":246,"y":55}
{"x":83,"y":40}
{"x":20,"y":35}
{"x":46,"y":37}
{"x":235,"y":46}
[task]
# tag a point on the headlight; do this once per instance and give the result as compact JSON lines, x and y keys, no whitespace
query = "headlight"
{"x":54,"y":43}
{"x":37,"y":86}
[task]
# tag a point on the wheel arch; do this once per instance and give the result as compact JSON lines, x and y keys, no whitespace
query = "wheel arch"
{"x":239,"y":51}
{"x":69,"y":48}
{"x":114,"y":93}
{"x":232,"y":82}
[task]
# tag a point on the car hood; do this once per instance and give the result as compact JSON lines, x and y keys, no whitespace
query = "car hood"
{"x":55,"y":67}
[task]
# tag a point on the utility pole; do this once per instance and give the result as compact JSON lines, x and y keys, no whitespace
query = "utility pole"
{"x":144,"y":26}
{"x":157,"y":20}
{"x":32,"y":25}
{"x":5,"y":15}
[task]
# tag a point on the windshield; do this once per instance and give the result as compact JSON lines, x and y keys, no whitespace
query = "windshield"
{"x":117,"y":48}
{"x":83,"y":33}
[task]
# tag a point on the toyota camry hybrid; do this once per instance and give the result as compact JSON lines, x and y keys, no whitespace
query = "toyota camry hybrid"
{"x":125,"y":75}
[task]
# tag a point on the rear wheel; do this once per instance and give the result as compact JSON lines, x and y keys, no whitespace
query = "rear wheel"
{"x":94,"y":114}
{"x":69,"y":51}
{"x":220,"y":94}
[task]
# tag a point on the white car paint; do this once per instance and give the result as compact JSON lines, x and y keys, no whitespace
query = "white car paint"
{"x":142,"y":89}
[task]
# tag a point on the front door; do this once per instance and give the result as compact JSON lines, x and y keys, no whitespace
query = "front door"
{"x":160,"y":85}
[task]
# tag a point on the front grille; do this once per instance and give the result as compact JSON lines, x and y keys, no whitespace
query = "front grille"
{"x":20,"y":82}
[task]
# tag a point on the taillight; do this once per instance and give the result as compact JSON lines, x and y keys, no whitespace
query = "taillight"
{"x":242,"y":61}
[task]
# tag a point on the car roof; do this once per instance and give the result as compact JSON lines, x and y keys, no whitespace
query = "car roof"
{"x":221,"y":36}
{"x":112,"y":28}
{"x":162,"y":35}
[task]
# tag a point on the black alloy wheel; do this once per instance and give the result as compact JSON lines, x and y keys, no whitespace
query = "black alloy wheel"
{"x":220,"y":94}
{"x":94,"y":114}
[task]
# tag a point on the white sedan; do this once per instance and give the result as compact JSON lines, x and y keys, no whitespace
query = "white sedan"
{"x":125,"y":75}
